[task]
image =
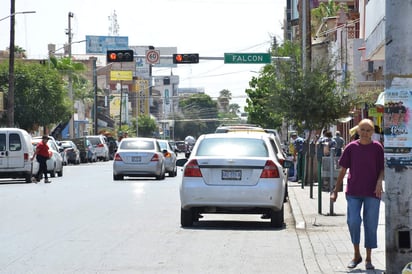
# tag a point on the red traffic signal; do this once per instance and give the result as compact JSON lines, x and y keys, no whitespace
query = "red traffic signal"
{"x":125,"y":55}
{"x":186,"y":58}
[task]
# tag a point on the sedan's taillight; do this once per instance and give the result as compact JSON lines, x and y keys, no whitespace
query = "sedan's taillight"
{"x":270,"y":170}
{"x":117,"y":157}
{"x":155,"y":158}
{"x":192,"y":169}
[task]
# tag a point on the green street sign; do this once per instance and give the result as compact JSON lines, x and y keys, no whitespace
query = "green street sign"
{"x":247,"y":58}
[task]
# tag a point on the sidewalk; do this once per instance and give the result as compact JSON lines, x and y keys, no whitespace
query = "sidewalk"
{"x":325,"y":240}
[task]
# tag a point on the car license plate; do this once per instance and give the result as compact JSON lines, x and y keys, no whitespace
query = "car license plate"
{"x":231,"y":174}
{"x":136,"y":159}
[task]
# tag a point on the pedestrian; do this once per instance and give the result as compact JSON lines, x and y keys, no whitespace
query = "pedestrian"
{"x":298,"y":143}
{"x":42,"y":154}
{"x":340,"y":143}
{"x":364,"y":158}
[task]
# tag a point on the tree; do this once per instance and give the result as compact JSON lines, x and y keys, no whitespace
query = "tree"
{"x":199,"y":115}
{"x":224,"y":100}
{"x":19,"y":51}
{"x":40,"y":98}
{"x":146,"y":126}
{"x":310,"y":99}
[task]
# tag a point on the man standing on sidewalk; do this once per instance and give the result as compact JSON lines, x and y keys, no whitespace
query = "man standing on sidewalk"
{"x":298,"y":143}
{"x":365,"y":160}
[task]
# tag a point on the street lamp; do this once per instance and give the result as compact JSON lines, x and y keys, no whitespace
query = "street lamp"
{"x":10,"y":95}
{"x":19,"y":12}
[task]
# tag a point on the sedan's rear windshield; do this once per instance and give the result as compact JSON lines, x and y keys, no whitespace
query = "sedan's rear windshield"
{"x":137,"y":144}
{"x":232,"y":147}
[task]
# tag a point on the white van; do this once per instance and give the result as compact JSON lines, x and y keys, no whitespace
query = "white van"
{"x":16,"y":152}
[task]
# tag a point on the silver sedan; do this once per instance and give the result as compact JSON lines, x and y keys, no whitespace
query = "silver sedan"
{"x":139,"y":157}
{"x":233,"y":173}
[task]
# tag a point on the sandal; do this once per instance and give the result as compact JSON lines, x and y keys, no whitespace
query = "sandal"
{"x":353,"y":263}
{"x":369,"y":265}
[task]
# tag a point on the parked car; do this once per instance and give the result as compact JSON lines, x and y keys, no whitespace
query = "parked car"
{"x":232,"y":173}
{"x":86,"y":150}
{"x":55,"y":163}
{"x":16,"y":152}
{"x":99,"y":142}
{"x":181,"y":146}
{"x":139,"y":157}
{"x":170,"y":157}
{"x":71,"y":152}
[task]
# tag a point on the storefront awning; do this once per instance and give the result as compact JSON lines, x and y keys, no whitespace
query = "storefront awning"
{"x":380,"y":102}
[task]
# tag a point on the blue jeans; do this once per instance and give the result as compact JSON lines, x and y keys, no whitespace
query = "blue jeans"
{"x":370,"y":219}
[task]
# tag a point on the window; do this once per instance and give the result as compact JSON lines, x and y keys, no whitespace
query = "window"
{"x":14,"y":142}
{"x":2,"y":142}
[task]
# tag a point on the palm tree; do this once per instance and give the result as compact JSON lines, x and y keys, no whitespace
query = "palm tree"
{"x":19,"y":51}
{"x":224,"y":99}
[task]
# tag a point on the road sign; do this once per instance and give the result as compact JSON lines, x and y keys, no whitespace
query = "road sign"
{"x":152,"y":56}
{"x":121,"y":75}
{"x":247,"y":58}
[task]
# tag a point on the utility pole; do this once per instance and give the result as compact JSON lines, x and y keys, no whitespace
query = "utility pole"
{"x":70,"y":85}
{"x":398,"y":187}
{"x":10,"y":95}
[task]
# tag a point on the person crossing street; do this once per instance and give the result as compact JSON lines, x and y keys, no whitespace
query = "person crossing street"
{"x":42,"y":154}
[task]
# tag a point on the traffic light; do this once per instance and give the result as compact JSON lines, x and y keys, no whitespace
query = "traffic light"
{"x":124,"y":55}
{"x":185,"y":58}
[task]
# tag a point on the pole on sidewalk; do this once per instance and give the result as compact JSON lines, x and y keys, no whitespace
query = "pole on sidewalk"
{"x":320,"y":187}
{"x":331,"y":177}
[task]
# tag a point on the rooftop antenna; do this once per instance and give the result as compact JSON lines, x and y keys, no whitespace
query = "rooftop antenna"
{"x":113,"y":25}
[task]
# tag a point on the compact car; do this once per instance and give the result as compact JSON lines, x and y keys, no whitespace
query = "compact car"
{"x":71,"y":152}
{"x":170,"y":157}
{"x":139,"y":157}
{"x":232,"y":174}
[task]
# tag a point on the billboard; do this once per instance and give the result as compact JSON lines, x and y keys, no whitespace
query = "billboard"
{"x":397,"y":127}
{"x":100,"y":44}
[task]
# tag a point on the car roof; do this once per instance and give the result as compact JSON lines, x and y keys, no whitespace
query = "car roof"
{"x":239,"y":128}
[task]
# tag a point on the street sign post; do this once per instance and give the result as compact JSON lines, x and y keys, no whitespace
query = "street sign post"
{"x":247,"y":58}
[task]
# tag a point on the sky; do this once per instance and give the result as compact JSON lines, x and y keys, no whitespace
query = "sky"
{"x":208,"y":27}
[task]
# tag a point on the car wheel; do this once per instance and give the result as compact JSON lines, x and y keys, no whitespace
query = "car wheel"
{"x":117,"y":177}
{"x":277,"y":218}
{"x":186,"y":217}
{"x":173,"y":173}
{"x":27,"y":178}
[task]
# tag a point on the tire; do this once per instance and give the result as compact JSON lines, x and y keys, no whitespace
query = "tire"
{"x":27,"y":178}
{"x":117,"y":177}
{"x":186,"y":217}
{"x":277,"y":218}
{"x":173,"y":173}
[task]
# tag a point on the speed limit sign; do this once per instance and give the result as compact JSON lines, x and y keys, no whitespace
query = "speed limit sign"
{"x":152,"y":56}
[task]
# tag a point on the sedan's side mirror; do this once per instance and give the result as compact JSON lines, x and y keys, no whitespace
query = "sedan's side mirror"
{"x":288,"y":164}
{"x":181,"y":162}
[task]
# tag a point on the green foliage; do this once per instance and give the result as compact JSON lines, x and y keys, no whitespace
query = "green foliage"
{"x":309,"y":100}
{"x":40,"y":98}
{"x":201,"y":112}
{"x":146,"y":126}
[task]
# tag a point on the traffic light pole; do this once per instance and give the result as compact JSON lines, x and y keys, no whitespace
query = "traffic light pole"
{"x":217,"y":58}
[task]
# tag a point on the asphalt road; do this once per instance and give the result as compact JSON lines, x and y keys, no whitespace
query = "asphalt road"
{"x":84,"y":222}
